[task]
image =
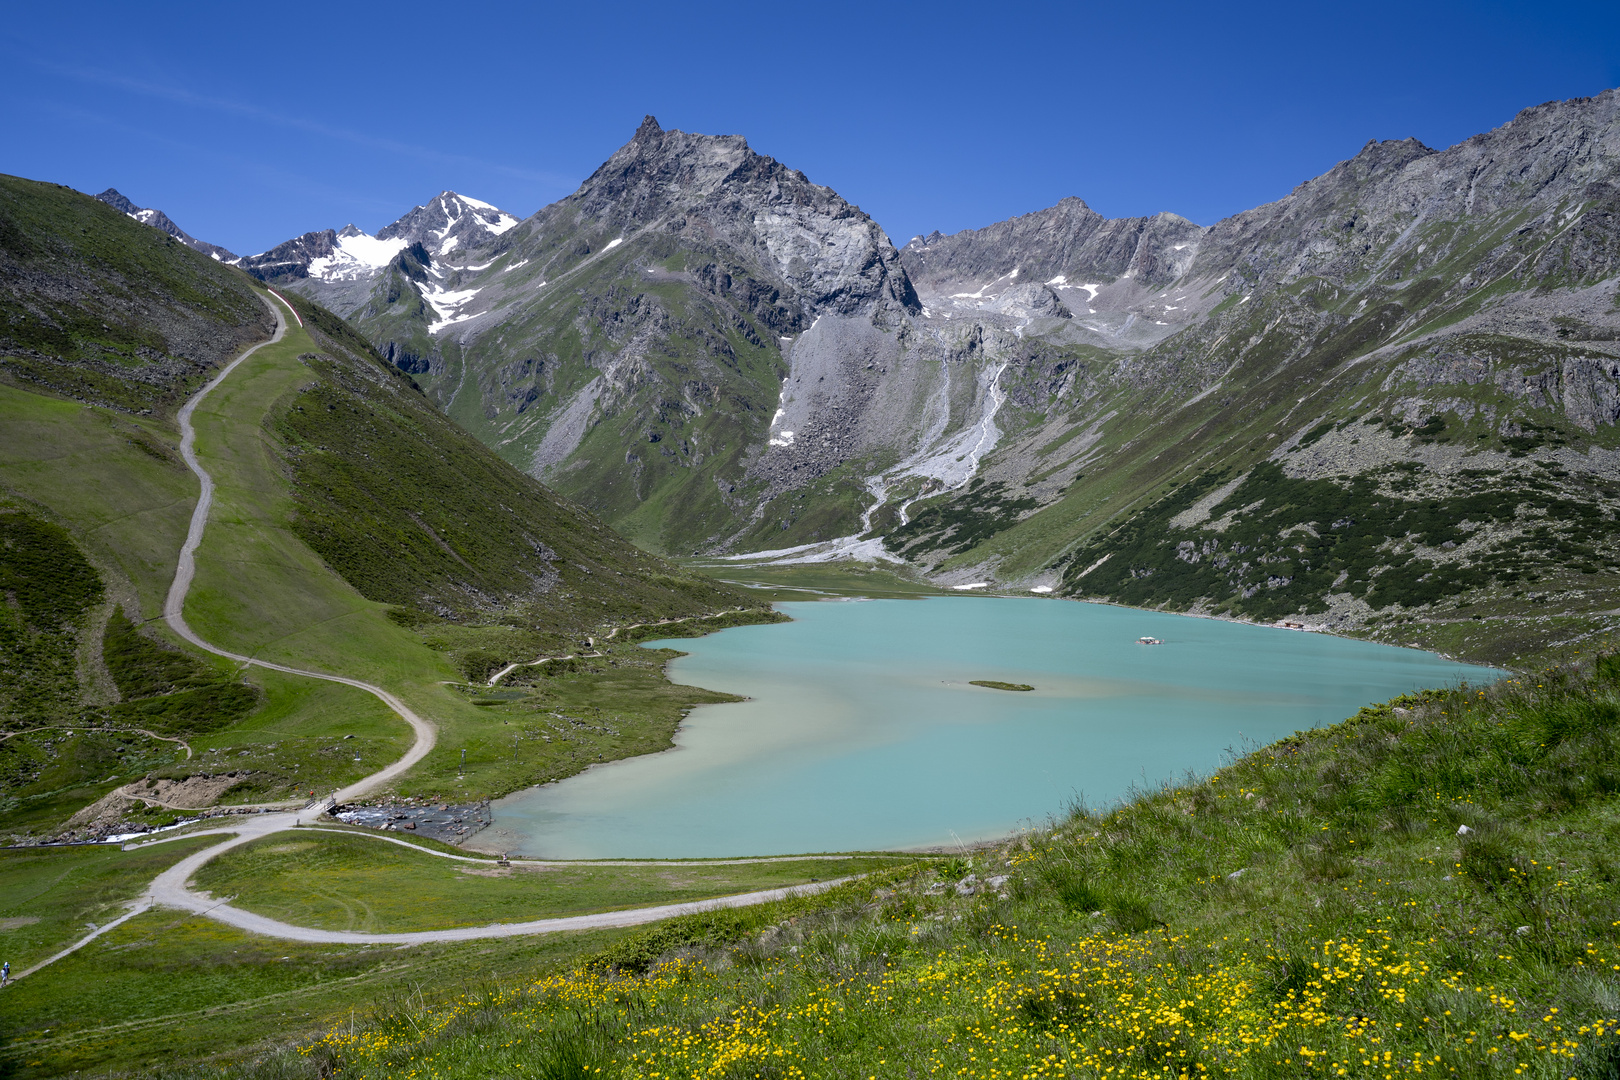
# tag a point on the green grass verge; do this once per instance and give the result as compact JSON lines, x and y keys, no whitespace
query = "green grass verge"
{"x":308,"y":734}
{"x":555,"y":719}
{"x":361,"y":883}
{"x":810,"y":581}
{"x":50,"y":896}
{"x":166,"y":987}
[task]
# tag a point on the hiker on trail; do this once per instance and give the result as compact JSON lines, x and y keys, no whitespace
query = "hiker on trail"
{"x":5,"y":973}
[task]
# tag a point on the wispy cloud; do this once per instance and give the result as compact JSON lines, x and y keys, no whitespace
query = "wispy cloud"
{"x":231,"y":107}
{"x":270,"y":175}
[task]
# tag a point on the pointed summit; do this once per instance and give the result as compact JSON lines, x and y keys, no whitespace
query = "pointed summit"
{"x":448,"y":222}
{"x":118,"y":201}
{"x":649,"y":129}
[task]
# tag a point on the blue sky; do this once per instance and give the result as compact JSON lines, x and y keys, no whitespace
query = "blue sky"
{"x":250,"y":124}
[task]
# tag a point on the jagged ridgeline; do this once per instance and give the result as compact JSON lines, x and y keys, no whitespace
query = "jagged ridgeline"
{"x":97,"y":308}
{"x":413,"y":511}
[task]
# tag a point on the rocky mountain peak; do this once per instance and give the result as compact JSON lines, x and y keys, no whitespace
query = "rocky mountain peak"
{"x":118,"y":201}
{"x":719,"y":194}
{"x":1379,"y":157}
{"x":649,"y":129}
{"x":450,"y":222}
{"x":658,"y":172}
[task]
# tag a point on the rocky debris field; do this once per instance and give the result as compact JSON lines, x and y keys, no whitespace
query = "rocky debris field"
{"x":450,"y":822}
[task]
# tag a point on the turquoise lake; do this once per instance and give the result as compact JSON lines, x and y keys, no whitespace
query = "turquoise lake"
{"x":862,"y":732}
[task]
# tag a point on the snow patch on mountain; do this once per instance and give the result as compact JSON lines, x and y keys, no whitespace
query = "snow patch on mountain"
{"x":358,"y":255}
{"x":448,"y":305}
{"x":499,"y":222}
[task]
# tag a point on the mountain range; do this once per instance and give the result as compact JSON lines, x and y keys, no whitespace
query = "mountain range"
{"x":1263,"y":417}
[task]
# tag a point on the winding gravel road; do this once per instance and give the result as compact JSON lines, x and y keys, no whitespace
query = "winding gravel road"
{"x":171,"y":888}
{"x":186,"y":570}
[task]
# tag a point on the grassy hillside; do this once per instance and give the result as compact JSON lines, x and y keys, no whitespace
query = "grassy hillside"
{"x":97,"y":307}
{"x":93,"y":506}
{"x":1427,"y":888}
{"x":357,"y":530}
{"x":373,"y":886}
{"x":381,"y":482}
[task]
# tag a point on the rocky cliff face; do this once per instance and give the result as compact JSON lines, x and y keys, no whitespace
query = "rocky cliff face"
{"x":1067,"y":243}
{"x":1546,"y":179}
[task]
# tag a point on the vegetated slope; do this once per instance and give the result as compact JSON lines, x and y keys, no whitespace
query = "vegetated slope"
{"x":413,"y":511}
{"x":1426,"y":888}
{"x":84,"y":695}
{"x":1281,"y":410}
{"x":102,"y":310}
{"x":50,"y":588}
{"x":94,"y":504}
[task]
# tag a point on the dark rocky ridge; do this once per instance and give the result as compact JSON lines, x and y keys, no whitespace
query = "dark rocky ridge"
{"x":290,"y":261}
{"x":161,"y":221}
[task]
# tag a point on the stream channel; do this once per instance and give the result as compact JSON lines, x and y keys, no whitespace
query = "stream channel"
{"x":862,"y":731}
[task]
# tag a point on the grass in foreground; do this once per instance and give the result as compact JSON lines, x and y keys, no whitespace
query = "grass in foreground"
{"x":1428,"y":887}
{"x":51,"y":897}
{"x":167,"y":987}
{"x":357,"y":882}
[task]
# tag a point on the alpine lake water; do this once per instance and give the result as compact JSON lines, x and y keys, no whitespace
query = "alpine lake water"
{"x":862,"y":732}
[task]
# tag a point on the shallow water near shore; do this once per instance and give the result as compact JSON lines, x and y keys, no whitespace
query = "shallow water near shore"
{"x":862,"y":732}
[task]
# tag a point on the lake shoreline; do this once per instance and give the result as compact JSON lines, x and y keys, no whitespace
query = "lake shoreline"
{"x":852,"y":706}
